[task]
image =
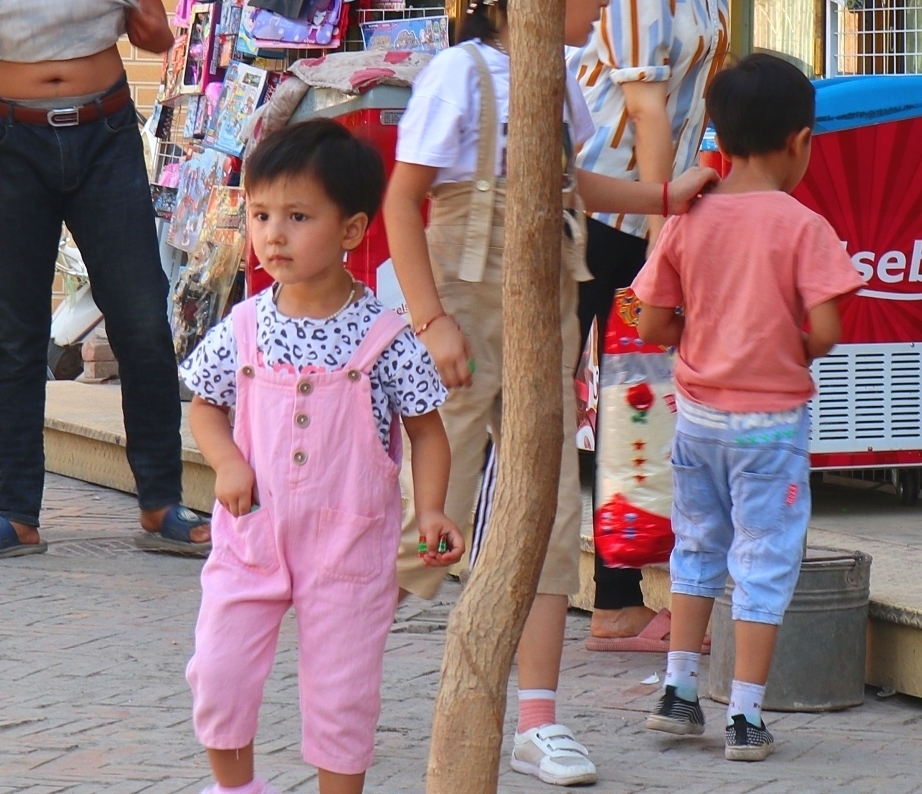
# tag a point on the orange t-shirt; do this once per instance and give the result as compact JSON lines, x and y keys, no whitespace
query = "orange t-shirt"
{"x":746,"y":267}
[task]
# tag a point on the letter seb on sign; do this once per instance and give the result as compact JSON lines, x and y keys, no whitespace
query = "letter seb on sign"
{"x":890,"y":267}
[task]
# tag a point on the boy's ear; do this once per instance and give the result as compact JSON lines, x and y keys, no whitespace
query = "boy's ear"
{"x":721,"y":149}
{"x":798,"y":140}
{"x":354,"y":231}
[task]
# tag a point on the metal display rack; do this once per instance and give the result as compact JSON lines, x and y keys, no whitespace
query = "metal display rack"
{"x":874,"y":37}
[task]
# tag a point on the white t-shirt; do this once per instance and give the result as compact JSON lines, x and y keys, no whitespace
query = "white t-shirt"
{"x":441,"y":125}
{"x":32,"y":31}
{"x":403,"y":380}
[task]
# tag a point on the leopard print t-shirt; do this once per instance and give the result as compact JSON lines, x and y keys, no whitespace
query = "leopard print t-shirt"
{"x":403,"y":381}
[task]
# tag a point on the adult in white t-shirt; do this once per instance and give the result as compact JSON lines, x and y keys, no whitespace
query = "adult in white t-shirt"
{"x":452,"y":283}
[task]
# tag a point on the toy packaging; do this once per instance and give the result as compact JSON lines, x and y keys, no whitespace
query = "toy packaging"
{"x":319,"y":26}
{"x":429,"y":34}
{"x":201,"y":292}
{"x":197,"y":176}
{"x":241,"y":94}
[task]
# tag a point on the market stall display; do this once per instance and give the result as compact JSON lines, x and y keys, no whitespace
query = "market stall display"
{"x":228,"y":60}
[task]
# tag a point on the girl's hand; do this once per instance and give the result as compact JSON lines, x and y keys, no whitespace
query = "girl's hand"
{"x":235,"y":486}
{"x":687,"y":188}
{"x":450,"y":351}
{"x":436,"y":527}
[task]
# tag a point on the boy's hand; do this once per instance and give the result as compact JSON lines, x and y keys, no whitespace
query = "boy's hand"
{"x":450,"y":352}
{"x":235,"y":486}
{"x":685,"y":190}
{"x":437,"y":528}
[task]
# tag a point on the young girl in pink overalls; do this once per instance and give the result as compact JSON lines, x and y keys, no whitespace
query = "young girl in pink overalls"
{"x":308,"y":503}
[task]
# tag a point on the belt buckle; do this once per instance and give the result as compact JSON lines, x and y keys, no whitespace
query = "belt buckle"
{"x":64,"y":117}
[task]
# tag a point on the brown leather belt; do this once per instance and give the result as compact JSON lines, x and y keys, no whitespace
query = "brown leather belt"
{"x":68,"y":117}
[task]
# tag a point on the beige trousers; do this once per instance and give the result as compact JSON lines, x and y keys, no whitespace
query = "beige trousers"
{"x":477,"y":307}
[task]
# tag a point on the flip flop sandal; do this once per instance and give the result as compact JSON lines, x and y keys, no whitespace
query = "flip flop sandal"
{"x":10,"y":545}
{"x":653,"y":639}
{"x":173,"y":537}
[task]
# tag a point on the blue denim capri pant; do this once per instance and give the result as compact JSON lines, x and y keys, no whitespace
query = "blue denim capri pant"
{"x":741,"y":506}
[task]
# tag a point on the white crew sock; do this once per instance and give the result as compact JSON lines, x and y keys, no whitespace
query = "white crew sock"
{"x":746,"y":699}
{"x":255,"y":786}
{"x":682,"y":673}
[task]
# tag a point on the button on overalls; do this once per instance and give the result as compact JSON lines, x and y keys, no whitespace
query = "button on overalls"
{"x":324,"y":539}
{"x":466,"y":237}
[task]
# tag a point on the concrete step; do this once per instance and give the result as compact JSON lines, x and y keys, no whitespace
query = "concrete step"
{"x":894,"y":650}
{"x":85,"y":439}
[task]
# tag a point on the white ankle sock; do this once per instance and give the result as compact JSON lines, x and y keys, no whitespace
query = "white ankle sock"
{"x":255,"y":786}
{"x":746,"y":699}
{"x":682,"y":673}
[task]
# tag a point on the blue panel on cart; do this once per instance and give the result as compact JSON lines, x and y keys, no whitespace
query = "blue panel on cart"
{"x":847,"y":102}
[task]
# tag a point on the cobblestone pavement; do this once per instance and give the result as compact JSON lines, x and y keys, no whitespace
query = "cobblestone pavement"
{"x":95,"y":636}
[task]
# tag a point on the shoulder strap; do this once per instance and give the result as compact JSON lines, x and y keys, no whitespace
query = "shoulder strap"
{"x":243,"y":317}
{"x":383,"y":331}
{"x":483,"y":196}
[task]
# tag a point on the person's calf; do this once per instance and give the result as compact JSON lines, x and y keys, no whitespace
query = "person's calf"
{"x":335,"y":783}
{"x":233,"y":769}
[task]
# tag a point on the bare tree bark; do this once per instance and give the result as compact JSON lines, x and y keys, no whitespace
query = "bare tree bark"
{"x":486,"y":624}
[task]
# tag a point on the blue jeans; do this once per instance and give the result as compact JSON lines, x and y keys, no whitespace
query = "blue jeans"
{"x":741,"y":505}
{"x":92,"y":177}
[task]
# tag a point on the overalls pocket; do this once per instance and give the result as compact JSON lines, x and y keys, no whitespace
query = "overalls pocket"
{"x":351,"y":546}
{"x":251,"y":541}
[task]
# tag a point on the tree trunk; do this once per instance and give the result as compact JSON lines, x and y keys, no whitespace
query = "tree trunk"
{"x":486,"y":624}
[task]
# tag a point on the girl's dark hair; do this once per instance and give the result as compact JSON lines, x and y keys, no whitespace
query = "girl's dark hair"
{"x":350,"y":170}
{"x":481,"y":22}
{"x":756,"y":104}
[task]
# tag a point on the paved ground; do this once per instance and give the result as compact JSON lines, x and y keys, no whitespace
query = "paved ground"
{"x":95,"y":636}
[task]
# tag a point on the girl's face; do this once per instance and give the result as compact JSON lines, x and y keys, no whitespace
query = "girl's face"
{"x":581,"y":14}
{"x":299,"y":234}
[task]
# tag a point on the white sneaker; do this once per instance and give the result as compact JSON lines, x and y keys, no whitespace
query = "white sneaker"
{"x":552,"y":755}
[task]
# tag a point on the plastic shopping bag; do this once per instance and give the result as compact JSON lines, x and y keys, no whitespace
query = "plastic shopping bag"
{"x":632,"y":525}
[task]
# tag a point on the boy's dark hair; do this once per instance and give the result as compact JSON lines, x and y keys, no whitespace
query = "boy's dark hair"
{"x":757,"y":104}
{"x":479,"y":23}
{"x":350,"y":170}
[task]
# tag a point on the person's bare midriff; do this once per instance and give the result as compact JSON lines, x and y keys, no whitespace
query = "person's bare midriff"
{"x":74,"y":77}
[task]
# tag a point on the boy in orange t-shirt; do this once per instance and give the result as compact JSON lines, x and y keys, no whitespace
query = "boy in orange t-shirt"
{"x":748,"y":265}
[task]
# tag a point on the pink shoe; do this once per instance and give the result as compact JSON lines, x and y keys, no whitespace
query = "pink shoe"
{"x":653,"y":639}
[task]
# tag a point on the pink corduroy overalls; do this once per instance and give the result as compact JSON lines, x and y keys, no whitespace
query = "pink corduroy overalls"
{"x":323,"y":539}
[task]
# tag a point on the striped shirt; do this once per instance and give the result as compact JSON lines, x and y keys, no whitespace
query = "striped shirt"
{"x":678,"y":42}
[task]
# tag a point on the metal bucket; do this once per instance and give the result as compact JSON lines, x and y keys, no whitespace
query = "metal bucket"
{"x":820,"y":653}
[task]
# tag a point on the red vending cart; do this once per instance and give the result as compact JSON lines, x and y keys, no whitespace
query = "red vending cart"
{"x":374,"y":116}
